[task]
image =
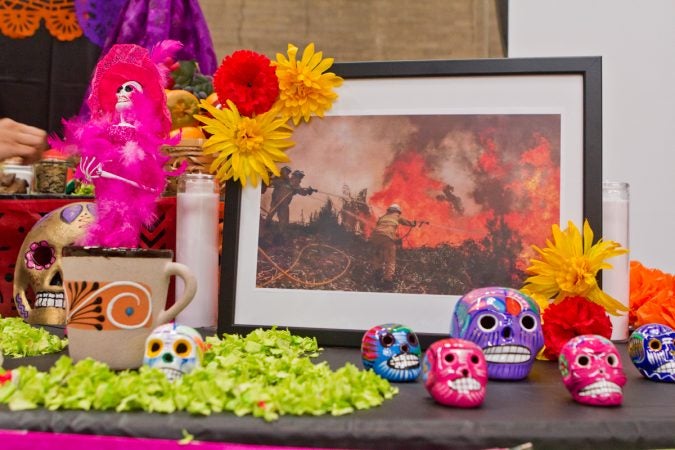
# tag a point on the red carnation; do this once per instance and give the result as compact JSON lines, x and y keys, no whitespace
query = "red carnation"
{"x":572,"y":317}
{"x":248,"y":80}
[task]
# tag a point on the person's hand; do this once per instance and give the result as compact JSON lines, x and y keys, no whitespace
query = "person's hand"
{"x":20,"y":140}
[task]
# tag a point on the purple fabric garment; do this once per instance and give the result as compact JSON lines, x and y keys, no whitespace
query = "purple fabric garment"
{"x":98,"y":17}
{"x":146,"y":22}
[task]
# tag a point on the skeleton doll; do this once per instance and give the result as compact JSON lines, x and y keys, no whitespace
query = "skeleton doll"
{"x":392,"y":351}
{"x":592,"y":372}
{"x":38,"y":265}
{"x":120,"y":146}
{"x":454,"y":372}
{"x":652,"y":350}
{"x":505,"y":324}
{"x":174,"y":349}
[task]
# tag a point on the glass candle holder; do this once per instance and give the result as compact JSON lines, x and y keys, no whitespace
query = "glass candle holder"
{"x":197,"y":246}
{"x":615,"y":227}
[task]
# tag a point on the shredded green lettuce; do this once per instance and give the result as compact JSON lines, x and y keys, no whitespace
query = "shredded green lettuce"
{"x":267,"y":373}
{"x":18,"y":339}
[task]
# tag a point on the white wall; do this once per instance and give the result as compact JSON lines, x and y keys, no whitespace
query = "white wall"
{"x":637,"y":43}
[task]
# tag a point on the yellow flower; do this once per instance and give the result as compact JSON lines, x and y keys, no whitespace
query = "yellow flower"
{"x":542,"y":302}
{"x":304,"y":88}
{"x":569,"y":266}
{"x":246,"y":148}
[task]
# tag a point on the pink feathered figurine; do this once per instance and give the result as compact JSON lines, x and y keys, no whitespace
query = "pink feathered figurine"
{"x":120,"y":144}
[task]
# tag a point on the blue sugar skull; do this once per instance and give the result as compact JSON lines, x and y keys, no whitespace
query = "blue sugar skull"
{"x":652,"y":350}
{"x":392,"y":351}
{"x":505,"y":324}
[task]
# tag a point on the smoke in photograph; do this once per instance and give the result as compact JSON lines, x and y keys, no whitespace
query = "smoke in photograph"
{"x":481,"y":188}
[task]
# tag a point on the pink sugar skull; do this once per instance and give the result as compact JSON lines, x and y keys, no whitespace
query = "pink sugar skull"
{"x":591,"y":369}
{"x":454,"y":372}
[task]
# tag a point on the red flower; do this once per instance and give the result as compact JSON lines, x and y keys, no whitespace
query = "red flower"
{"x":248,"y":80}
{"x":572,"y":317}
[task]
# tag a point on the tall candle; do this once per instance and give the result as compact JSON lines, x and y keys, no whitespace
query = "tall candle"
{"x":616,"y":281}
{"x":197,"y":246}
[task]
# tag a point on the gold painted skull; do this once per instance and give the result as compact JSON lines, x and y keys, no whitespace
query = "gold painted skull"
{"x":38,"y":265}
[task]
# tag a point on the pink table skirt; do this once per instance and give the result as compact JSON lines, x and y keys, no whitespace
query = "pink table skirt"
{"x":32,"y":440}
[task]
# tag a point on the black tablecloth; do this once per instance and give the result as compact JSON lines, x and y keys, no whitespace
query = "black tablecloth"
{"x":537,"y":410}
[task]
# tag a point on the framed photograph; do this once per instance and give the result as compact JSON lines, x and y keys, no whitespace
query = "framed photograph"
{"x":427,"y":179}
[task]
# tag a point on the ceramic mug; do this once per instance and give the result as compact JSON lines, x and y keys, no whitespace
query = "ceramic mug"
{"x":115,"y":297}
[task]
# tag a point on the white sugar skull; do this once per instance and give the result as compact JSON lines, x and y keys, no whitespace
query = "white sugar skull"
{"x":652,"y":350}
{"x":174,"y":349}
{"x":124,"y":94}
{"x":38,"y":265}
{"x":591,"y":369}
{"x":454,"y":372}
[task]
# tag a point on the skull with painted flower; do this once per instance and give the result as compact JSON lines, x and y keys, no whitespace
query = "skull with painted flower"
{"x":591,"y":370}
{"x":38,"y":266}
{"x":652,"y":350}
{"x":505,"y":324}
{"x":454,"y":372}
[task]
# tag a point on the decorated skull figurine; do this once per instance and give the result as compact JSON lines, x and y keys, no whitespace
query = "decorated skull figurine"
{"x":38,"y":265}
{"x":505,"y":324}
{"x":392,"y":351}
{"x":591,"y":369}
{"x":174,"y":349}
{"x":454,"y":372}
{"x":652,"y":350}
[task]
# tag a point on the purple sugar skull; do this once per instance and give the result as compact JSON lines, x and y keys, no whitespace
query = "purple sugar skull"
{"x":652,"y":350}
{"x":505,"y":324}
{"x":591,"y":369}
{"x":392,"y":351}
{"x":454,"y":372}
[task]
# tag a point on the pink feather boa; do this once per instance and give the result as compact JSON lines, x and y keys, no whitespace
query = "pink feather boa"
{"x":132,"y":152}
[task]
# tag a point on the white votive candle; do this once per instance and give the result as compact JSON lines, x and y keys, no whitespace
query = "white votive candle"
{"x":616,"y":281}
{"x":197,"y":246}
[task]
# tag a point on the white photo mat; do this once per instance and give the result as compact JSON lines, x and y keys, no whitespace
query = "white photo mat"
{"x":452,"y":95}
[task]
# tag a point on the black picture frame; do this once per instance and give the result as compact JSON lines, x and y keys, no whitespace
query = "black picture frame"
{"x":588,"y":69}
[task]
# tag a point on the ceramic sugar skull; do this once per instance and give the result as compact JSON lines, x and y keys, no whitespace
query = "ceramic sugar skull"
{"x":392,"y":351}
{"x":652,"y":350}
{"x":38,"y":265}
{"x":591,"y":370}
{"x":505,"y":324}
{"x":454,"y":372}
{"x":174,"y":349}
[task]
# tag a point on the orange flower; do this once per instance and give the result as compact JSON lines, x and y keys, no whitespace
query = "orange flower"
{"x":652,"y":296}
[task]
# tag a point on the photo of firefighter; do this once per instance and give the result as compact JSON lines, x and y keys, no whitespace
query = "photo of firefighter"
{"x":419,"y":204}
{"x":384,"y":239}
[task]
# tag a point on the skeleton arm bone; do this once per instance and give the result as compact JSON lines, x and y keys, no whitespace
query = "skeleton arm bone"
{"x":92,"y":169}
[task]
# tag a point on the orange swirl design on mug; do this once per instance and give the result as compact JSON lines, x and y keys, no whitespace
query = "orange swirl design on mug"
{"x":115,"y":305}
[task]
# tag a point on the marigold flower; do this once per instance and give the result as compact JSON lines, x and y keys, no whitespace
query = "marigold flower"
{"x":248,"y":80}
{"x":305,"y":89}
{"x":569,"y":266}
{"x":246,"y":147}
{"x":574,"y":316}
{"x":652,"y":296}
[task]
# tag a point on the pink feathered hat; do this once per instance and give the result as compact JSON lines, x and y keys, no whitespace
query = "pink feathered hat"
{"x":127,"y":62}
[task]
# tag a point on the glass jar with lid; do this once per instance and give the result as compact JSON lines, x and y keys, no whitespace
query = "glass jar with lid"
{"x":51,"y":173}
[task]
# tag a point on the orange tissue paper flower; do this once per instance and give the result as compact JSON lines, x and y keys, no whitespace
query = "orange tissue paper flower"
{"x":652,"y":296}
